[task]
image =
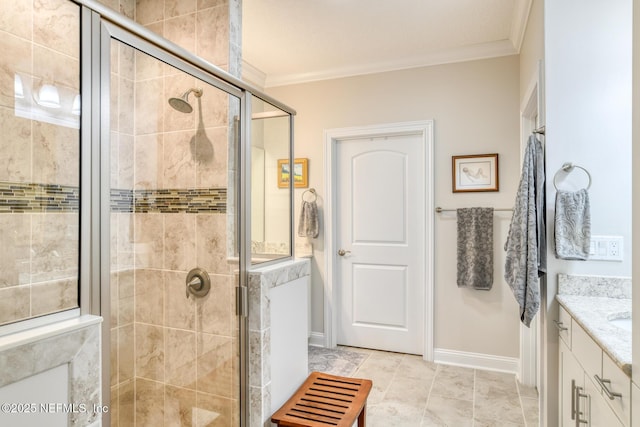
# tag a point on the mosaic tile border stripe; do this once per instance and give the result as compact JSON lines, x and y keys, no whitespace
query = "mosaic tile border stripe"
{"x":196,"y":200}
{"x":30,"y":197}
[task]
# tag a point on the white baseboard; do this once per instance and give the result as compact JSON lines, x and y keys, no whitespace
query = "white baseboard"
{"x":487,"y":362}
{"x":316,"y":339}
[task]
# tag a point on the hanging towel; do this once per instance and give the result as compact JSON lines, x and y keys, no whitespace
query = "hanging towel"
{"x":572,"y":225}
{"x":308,"y":223}
{"x":526,"y":243}
{"x":475,"y":248}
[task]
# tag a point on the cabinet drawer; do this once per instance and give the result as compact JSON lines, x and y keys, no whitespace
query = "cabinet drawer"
{"x":564,"y":326}
{"x":596,"y":410}
{"x":588,"y":353}
{"x":620,"y":383}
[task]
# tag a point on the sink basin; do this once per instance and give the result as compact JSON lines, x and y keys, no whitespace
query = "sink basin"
{"x":621,"y":320}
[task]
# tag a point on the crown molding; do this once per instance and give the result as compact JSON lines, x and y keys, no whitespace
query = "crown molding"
{"x":253,"y":75}
{"x":519,"y":22}
{"x":448,"y":56}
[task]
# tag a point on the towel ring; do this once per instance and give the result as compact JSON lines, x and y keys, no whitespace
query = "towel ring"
{"x":568,"y":167}
{"x":313,"y":193}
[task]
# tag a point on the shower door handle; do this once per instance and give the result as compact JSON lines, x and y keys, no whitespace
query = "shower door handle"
{"x":198,"y":283}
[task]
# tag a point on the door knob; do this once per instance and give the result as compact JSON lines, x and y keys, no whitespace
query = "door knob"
{"x":342,"y":252}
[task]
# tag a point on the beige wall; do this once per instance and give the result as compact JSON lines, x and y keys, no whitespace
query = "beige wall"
{"x":475,"y":109}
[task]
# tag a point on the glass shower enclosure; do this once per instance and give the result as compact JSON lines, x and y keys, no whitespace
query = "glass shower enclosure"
{"x":178,"y":193}
{"x":174,"y":330}
{"x":134,"y":204}
{"x":176,"y":183}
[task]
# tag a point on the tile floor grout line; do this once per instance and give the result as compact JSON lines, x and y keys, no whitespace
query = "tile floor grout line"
{"x":426,"y":404}
{"x":395,"y":374}
{"x":473,"y":401}
{"x":524,"y":417}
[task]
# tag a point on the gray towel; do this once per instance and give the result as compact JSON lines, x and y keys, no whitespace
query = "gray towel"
{"x":308,"y":224}
{"x":475,"y":248}
{"x":526,"y":242}
{"x":572,"y":225}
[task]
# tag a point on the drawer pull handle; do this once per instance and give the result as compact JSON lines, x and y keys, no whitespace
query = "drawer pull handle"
{"x":573,"y":399}
{"x":603,"y":383}
{"x":560,"y":326}
{"x":578,"y":412}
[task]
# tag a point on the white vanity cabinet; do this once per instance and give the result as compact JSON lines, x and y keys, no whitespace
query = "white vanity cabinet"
{"x":594,"y":391}
{"x":571,"y":382}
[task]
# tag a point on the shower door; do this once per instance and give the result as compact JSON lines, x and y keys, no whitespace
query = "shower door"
{"x":174,"y":346}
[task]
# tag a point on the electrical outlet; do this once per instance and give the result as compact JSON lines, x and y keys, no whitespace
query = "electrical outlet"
{"x":606,"y":248}
{"x":614,"y":248}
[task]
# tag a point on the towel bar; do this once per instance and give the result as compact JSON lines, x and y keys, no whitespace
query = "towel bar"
{"x":439,"y":209}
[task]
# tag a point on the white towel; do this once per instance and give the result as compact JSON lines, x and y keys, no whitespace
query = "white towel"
{"x":308,"y":224}
{"x":572,"y":225}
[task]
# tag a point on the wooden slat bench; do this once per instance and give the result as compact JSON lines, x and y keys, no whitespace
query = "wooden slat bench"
{"x":326,"y":400}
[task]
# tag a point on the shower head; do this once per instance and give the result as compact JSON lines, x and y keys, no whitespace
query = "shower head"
{"x":182,"y":104}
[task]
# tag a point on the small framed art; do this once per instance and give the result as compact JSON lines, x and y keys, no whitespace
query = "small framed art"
{"x":477,"y":172}
{"x":300,"y":173}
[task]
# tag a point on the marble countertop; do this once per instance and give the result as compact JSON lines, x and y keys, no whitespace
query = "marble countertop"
{"x":593,"y":314}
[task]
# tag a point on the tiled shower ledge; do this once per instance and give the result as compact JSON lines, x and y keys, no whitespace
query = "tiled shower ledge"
{"x":261,"y":280}
{"x":77,"y":343}
{"x":47,"y":331}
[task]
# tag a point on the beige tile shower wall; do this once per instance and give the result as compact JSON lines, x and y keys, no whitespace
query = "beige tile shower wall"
{"x":180,"y":353}
{"x":175,"y":352}
{"x":38,"y":262}
{"x":208,"y":28}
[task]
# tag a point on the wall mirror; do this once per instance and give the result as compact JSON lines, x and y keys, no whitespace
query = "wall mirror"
{"x":270,"y":203}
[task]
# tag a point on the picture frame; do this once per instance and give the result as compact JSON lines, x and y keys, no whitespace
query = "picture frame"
{"x":475,"y":173}
{"x":300,"y":173}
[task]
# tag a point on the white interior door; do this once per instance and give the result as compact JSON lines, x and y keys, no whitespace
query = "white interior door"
{"x":380,"y":232}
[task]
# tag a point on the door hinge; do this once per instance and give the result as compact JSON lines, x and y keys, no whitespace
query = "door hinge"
{"x":242,"y":308}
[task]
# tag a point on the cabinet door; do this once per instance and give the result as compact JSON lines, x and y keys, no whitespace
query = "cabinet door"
{"x":598,"y":412}
{"x":571,"y":375}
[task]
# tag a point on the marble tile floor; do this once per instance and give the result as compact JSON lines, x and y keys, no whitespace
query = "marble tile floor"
{"x":408,"y":391}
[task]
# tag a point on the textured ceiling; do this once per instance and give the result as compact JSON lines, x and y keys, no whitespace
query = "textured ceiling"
{"x":292,"y":41}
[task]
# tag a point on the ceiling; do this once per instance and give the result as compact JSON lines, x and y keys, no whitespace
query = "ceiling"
{"x":295,"y":41}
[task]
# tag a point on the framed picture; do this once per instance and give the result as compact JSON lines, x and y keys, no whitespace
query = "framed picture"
{"x":478,"y":172}
{"x":300,"y":173}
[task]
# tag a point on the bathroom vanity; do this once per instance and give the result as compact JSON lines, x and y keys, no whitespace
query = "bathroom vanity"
{"x":594,"y":326}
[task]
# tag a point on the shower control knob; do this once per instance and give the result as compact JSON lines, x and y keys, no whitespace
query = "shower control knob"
{"x":198,"y":283}
{"x":342,"y":252}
